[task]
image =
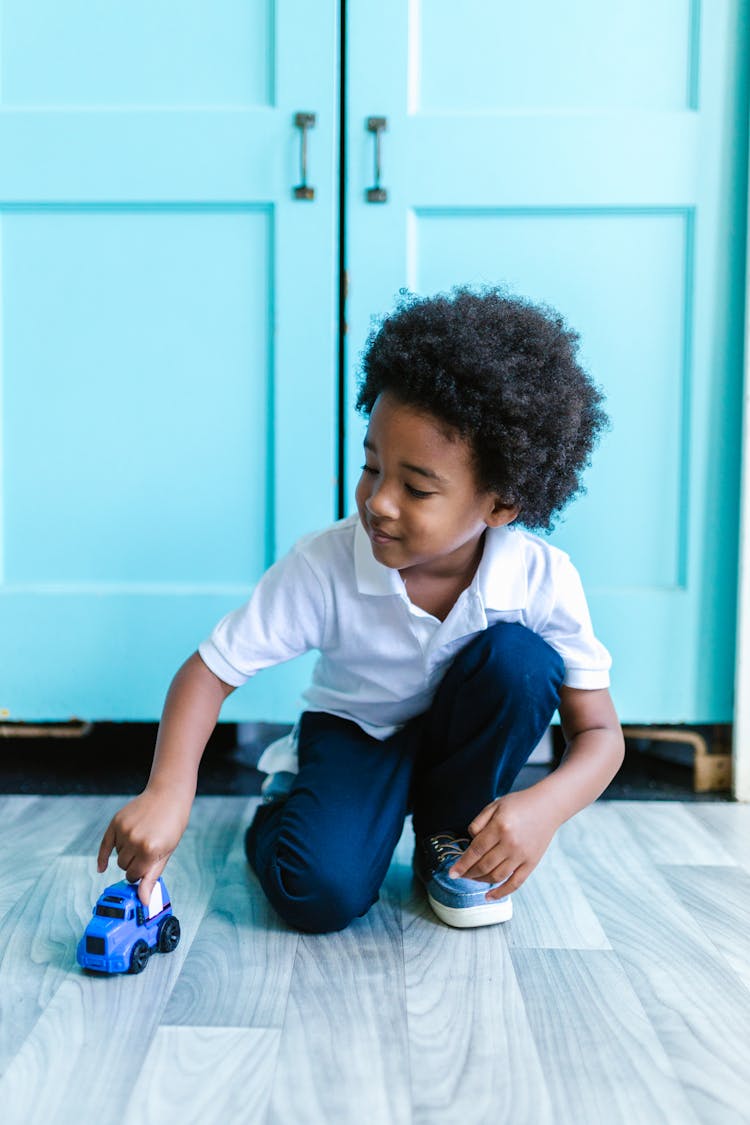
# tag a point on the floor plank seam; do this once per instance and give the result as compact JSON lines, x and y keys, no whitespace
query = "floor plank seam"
{"x":407,"y":1027}
{"x":719,"y":953}
{"x":283,"y":1024}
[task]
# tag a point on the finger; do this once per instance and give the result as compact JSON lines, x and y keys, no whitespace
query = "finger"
{"x":481,"y":819}
{"x":484,"y":867}
{"x":125,"y":857}
{"x":503,"y":871}
{"x":517,"y":879}
{"x":105,"y":849}
{"x":137,"y":869}
{"x":148,"y":882}
{"x":478,"y":847}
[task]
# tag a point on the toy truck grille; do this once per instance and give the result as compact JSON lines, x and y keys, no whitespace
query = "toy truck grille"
{"x":95,"y":945}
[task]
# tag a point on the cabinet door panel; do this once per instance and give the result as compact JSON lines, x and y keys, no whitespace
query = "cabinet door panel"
{"x":561,"y":152}
{"x":156,"y":385}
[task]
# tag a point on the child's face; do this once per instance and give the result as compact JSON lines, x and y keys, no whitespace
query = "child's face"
{"x":418,"y":497}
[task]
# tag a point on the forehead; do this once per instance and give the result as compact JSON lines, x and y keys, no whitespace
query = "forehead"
{"x":410,"y":433}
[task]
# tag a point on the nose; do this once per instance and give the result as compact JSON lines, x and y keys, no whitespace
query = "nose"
{"x":380,"y":503}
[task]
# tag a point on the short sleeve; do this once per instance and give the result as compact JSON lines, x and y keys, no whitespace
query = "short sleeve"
{"x":569,"y":630}
{"x":283,"y":618}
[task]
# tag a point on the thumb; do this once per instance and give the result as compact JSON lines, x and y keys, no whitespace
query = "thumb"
{"x":481,"y":819}
{"x":148,"y":882}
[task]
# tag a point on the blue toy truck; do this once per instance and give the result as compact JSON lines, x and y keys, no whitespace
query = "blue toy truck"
{"x":123,"y":934}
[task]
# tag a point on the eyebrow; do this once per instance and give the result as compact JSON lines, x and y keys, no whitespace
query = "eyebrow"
{"x":429,"y":473}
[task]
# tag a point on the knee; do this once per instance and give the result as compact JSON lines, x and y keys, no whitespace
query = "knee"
{"x":311,"y":890}
{"x":318,"y":902}
{"x":516,"y":656}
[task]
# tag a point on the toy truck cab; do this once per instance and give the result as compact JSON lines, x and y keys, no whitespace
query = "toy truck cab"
{"x":123,"y":933}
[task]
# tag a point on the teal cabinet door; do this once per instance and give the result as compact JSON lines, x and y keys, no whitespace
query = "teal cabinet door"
{"x":168,"y":337}
{"x":592,"y":157}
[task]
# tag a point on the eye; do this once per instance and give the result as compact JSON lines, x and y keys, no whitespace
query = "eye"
{"x":417,"y":493}
{"x":368,"y":469}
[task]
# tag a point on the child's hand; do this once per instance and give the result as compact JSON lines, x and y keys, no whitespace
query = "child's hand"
{"x":144,"y":833}
{"x":509,"y":837}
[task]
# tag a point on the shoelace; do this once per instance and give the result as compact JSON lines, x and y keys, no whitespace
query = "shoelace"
{"x":448,"y":846}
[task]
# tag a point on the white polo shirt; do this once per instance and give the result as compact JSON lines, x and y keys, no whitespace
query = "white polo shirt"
{"x":381,"y":657}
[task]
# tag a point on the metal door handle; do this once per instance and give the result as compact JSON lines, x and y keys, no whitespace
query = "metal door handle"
{"x":304,"y":121}
{"x":377,"y":194}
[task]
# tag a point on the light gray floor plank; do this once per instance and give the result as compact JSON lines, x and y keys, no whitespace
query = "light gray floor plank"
{"x":94,"y":814}
{"x":550,"y":911}
{"x":82,"y":1053}
{"x":399,"y":1018}
{"x":696,"y":1004}
{"x":343,"y":1054}
{"x":730,"y":825}
{"x":719,"y":900}
{"x":37,"y":946}
{"x":602,"y":1059}
{"x":239,"y":968}
{"x":36,"y":830}
{"x":14,"y":807}
{"x":81,"y":1058}
{"x":205,"y":1076}
{"x":472,"y":1054}
{"x":669,"y":832}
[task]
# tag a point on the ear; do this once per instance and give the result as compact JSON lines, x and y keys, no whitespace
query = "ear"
{"x":500,"y":513}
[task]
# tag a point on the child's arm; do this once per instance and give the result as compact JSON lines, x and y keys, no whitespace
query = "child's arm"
{"x":147,"y":829}
{"x":512,"y":833}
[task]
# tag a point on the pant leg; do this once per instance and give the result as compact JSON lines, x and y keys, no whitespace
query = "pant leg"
{"x":322,"y":854}
{"x":489,"y":712}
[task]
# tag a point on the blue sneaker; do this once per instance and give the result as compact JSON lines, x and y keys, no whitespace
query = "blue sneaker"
{"x":459,"y":902}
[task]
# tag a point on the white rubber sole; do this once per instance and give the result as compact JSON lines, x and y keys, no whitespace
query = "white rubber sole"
{"x":464,"y":917}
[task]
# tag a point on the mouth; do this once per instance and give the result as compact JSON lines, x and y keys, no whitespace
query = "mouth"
{"x":379,"y":536}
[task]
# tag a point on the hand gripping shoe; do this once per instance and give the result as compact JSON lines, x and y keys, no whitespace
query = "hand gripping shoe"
{"x":459,"y":902}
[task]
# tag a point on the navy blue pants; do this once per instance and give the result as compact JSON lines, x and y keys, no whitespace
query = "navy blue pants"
{"x":322,"y":854}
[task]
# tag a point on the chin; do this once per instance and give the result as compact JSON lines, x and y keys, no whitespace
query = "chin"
{"x":385,"y":553}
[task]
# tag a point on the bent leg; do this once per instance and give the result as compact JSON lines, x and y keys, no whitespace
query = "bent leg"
{"x":322,"y":854}
{"x":491,"y":709}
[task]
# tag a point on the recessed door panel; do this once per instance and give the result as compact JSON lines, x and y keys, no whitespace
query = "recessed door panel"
{"x":566,"y":257}
{"x":155,"y":380}
{"x":172,"y":53}
{"x":592,"y":158}
{"x":116,"y":418}
{"x":556,"y":57}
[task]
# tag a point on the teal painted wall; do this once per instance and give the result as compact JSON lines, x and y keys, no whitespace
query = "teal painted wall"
{"x":588,"y":165}
{"x":169,"y":312}
{"x":168,"y":337}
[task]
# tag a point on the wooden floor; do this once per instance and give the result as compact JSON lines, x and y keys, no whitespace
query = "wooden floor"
{"x":620,"y":991}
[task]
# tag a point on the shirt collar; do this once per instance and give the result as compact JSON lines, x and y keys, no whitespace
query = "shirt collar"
{"x":500,"y":580}
{"x":372,"y":576}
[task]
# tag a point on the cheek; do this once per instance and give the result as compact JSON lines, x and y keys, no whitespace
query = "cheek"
{"x":362,"y":491}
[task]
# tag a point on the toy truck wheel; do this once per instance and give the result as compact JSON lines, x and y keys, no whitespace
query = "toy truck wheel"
{"x":139,"y":957}
{"x":169,"y":934}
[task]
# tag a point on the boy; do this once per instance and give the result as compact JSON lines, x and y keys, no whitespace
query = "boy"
{"x":448,"y":637}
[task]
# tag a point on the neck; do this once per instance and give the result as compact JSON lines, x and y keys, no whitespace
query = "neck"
{"x":461,"y":566}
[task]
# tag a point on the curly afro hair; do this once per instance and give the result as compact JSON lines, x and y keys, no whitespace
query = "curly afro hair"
{"x":502,"y":373}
